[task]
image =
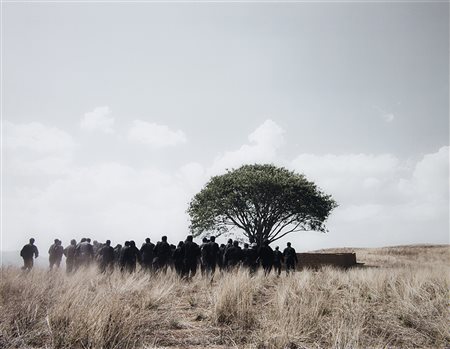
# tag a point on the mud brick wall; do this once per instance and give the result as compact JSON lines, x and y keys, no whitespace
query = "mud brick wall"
{"x":317,"y":260}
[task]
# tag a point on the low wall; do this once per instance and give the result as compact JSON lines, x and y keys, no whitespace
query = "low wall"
{"x":317,"y":260}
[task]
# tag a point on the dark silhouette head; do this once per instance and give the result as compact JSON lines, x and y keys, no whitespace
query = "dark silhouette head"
{"x":277,"y":248}
{"x":73,"y":242}
{"x":88,"y":240}
{"x":32,"y":241}
{"x":212,"y":239}
{"x":127,"y":243}
{"x":245,"y":245}
{"x":222,"y":245}
{"x":181,"y":243}
{"x":56,"y":241}
{"x":132,"y":243}
{"x":164,"y":238}
{"x":189,"y":238}
{"x":205,"y":240}
{"x":230,"y":241}
{"x":288,"y":244}
{"x":147,"y":240}
{"x":83,"y":240}
{"x":108,"y":242}
{"x":236,"y":243}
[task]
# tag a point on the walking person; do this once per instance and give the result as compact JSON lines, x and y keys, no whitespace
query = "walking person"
{"x":290,"y":256}
{"x":27,"y":253}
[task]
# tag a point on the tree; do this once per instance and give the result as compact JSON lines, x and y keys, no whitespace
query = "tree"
{"x":264,"y":201}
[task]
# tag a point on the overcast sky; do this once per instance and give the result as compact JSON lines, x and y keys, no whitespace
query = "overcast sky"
{"x":116,"y":114}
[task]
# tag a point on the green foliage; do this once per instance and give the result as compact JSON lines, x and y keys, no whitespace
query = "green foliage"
{"x":264,"y":201}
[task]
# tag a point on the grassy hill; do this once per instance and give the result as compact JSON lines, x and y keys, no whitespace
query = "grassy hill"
{"x":399,"y":300}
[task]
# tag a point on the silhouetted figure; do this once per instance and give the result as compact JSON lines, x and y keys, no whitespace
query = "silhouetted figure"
{"x":203,"y":255}
{"x":212,"y":255}
{"x":162,"y":253}
{"x":233,"y":255}
{"x":84,"y":253}
{"x":277,"y":260}
{"x":117,"y":254}
{"x":220,"y":259}
{"x":130,"y":255}
{"x":191,"y":253}
{"x":55,"y":253}
{"x":290,"y":256}
{"x":266,"y":257}
{"x":147,"y":254}
{"x":227,"y":246}
{"x":245,"y":255}
{"x":253,"y":258}
{"x":106,"y":257}
{"x":70,"y":253}
{"x":27,"y":253}
{"x":178,"y":258}
{"x":96,"y":246}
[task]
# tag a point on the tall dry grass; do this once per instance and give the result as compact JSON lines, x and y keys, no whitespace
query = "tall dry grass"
{"x":403,"y":304}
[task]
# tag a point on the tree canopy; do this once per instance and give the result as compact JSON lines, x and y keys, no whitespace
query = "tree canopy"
{"x":264,"y":201}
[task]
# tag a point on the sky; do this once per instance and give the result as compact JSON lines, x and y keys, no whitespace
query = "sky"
{"x":115,"y":114}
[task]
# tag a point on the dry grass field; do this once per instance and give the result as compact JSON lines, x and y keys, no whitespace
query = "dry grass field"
{"x":399,"y":299}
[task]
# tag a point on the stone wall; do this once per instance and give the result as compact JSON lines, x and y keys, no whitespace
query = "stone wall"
{"x":317,"y":260}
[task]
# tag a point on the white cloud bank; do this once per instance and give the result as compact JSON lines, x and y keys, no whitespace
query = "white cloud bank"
{"x":155,"y":135}
{"x":262,"y":147}
{"x":383,"y":200}
{"x":36,"y":137}
{"x":98,"y":119}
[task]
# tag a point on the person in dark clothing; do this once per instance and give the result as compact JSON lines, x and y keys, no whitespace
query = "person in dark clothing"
{"x":227,"y":246}
{"x":203,"y":255}
{"x":70,"y":252}
{"x":106,"y":256}
{"x":147,"y":254}
{"x":84,"y":253}
{"x":220,"y":258}
{"x":233,"y":255}
{"x":212,"y":255}
{"x":178,"y":258}
{"x":290,"y":256}
{"x":117,"y":254}
{"x":27,"y":253}
{"x":96,"y":246}
{"x":191,"y":253}
{"x":55,"y":253}
{"x":266,"y":257}
{"x":171,"y":263}
{"x":245,"y":254}
{"x":252,"y":258}
{"x":130,"y":255}
{"x":162,"y":253}
{"x":277,"y":260}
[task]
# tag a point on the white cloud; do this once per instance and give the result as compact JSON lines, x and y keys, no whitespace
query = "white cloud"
{"x":103,"y":201}
{"x":388,"y":117}
{"x":36,"y":137}
{"x":98,"y":119}
{"x":354,"y":178}
{"x":383,"y":200}
{"x":385,"y":115}
{"x":155,"y":135}
{"x":262,"y":148}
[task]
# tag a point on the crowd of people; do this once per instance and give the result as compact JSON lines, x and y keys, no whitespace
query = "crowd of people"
{"x":185,"y":258}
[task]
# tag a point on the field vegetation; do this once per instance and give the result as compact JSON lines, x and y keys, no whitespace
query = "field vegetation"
{"x":399,"y":299}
